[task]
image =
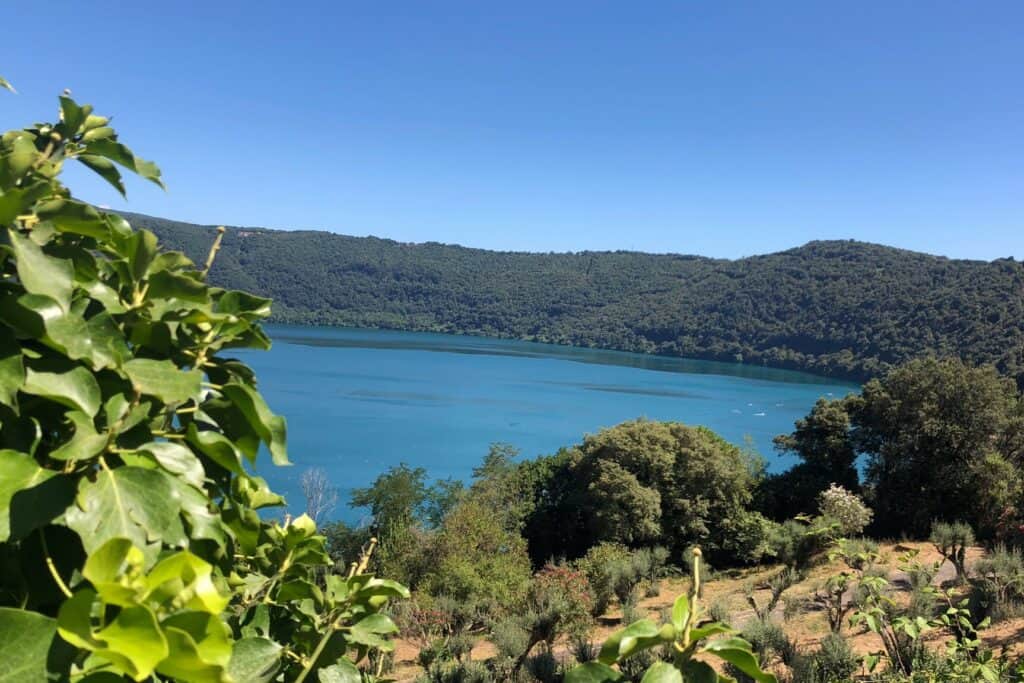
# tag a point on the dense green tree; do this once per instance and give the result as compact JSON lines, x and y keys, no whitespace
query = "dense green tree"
{"x":399,"y":496}
{"x":840,"y":308}
{"x":645,"y":482}
{"x":927,"y":428}
{"x":475,"y":557}
{"x":823,"y":442}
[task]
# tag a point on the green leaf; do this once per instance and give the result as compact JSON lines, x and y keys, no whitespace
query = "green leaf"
{"x":140,"y":248}
{"x":72,"y":115}
{"x":369,"y":629}
{"x":711,"y":629}
{"x":99,"y":132}
{"x":31,"y":652}
{"x":30,"y":496}
{"x":75,"y":388}
{"x":700,"y":672}
{"x":199,"y":648}
{"x":737,"y":652}
{"x":109,"y":348}
{"x":625,"y":642}
{"x":104,"y":168}
{"x":84,"y":444}
{"x":129,"y":502}
{"x":254,"y":660}
{"x":6,"y":85}
{"x":593,"y":672}
{"x":342,"y":672}
{"x":18,"y":472}
{"x":662,"y":672}
{"x":106,"y":570}
{"x":132,"y":641}
{"x":40,"y":273}
{"x":186,"y":579}
{"x":120,"y":154}
{"x":163,"y":379}
{"x":243,"y":303}
{"x":12,"y":368}
{"x":680,"y":612}
{"x":23,"y":154}
{"x":270,"y":428}
{"x":70,"y":216}
{"x":27,"y":638}
{"x":217,"y":447}
{"x":177,"y":460}
{"x":167,"y":285}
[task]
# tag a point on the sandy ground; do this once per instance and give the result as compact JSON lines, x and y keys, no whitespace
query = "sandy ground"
{"x":729,"y":589}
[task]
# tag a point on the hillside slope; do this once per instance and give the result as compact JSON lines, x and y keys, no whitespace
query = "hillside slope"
{"x":840,"y":308}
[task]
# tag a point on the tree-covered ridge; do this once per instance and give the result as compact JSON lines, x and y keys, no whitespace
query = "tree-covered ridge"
{"x":842,"y":308}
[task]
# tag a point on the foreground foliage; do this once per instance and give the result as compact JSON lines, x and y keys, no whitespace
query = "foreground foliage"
{"x":687,"y":634}
{"x":131,"y":545}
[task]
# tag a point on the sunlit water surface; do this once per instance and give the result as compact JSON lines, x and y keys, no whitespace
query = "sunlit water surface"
{"x":360,"y":401}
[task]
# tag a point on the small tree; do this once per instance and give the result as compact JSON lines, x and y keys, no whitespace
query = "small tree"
{"x":846,"y":509}
{"x":952,"y":541}
{"x":321,"y":497}
{"x":778,"y":584}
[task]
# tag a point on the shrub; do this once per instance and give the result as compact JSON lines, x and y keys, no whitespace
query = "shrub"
{"x":510,"y":638}
{"x":670,"y":648}
{"x":769,"y":641}
{"x":833,"y":662}
{"x":474,"y":558}
{"x":601,"y":565}
{"x":777,"y":584}
{"x":998,"y":591}
{"x":130,"y":529}
{"x":563,"y":595}
{"x":544,"y":667}
{"x":847,"y":509}
{"x":718,"y":610}
{"x":458,"y":672}
{"x":952,"y":541}
{"x":795,"y":543}
{"x":582,"y":648}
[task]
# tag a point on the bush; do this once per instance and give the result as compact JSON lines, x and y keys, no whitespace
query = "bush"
{"x":795,"y":543}
{"x":601,"y":565}
{"x":510,"y":638}
{"x":459,"y":672}
{"x":833,"y":662}
{"x":560,"y":598}
{"x":769,"y":642}
{"x":474,"y":558}
{"x":845,"y":508}
{"x":582,"y":648}
{"x":998,"y":590}
{"x":544,"y":667}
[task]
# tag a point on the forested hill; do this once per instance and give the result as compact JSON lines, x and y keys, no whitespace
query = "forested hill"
{"x":842,"y":308}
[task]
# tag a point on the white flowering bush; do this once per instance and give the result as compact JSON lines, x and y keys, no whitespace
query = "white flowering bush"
{"x":845,"y":508}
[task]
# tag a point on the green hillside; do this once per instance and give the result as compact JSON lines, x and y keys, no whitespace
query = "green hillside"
{"x":842,"y":308}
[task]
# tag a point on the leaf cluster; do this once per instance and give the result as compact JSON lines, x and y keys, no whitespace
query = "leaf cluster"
{"x":131,"y":540}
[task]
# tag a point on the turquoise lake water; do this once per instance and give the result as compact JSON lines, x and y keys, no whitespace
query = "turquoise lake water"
{"x":359,"y":401}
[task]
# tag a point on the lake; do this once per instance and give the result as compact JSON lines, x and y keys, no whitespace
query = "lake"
{"x":360,"y":401}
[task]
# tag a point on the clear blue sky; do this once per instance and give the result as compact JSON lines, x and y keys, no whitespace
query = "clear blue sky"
{"x":717,"y":128}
